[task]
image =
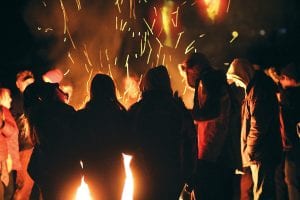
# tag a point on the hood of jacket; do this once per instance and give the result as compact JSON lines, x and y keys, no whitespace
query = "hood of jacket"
{"x":242,"y":70}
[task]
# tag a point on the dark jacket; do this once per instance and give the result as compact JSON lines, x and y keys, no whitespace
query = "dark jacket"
{"x":102,"y":138}
{"x":260,"y":136}
{"x":290,"y":110}
{"x":212,"y":112}
{"x":51,"y":120}
{"x":55,"y":148}
{"x":164,"y":137}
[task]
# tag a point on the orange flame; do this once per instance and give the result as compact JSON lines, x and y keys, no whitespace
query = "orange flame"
{"x":83,"y":192}
{"x":129,"y":184}
{"x":212,"y":8}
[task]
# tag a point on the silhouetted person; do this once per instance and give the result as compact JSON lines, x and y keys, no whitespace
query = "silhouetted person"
{"x":211,"y":111}
{"x":260,"y":136}
{"x":53,"y":163}
{"x":164,"y":137}
{"x":289,"y":170}
{"x":101,"y":127}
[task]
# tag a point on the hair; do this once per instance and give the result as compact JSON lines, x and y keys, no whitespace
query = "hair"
{"x":197,"y":59}
{"x":157,"y":78}
{"x":103,"y":89}
{"x":102,"y":86}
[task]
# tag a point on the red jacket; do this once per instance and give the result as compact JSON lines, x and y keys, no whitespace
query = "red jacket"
{"x":10,"y":134}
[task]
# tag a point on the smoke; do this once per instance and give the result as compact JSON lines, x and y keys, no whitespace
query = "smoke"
{"x":124,"y":38}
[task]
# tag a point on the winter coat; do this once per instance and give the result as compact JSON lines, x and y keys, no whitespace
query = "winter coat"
{"x":54,"y":151}
{"x":260,"y":135}
{"x":10,"y":132}
{"x":164,"y":135}
{"x":290,"y":110}
{"x":211,"y":112}
{"x":101,"y":129}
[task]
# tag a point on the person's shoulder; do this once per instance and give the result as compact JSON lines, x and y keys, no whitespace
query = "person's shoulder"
{"x":134,"y":107}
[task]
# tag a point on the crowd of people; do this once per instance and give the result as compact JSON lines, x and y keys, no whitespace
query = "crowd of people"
{"x":233,"y":144}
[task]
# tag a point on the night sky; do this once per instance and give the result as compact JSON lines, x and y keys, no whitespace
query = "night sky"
{"x":33,"y":36}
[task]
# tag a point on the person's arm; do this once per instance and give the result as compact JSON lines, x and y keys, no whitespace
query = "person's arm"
{"x":206,"y":102}
{"x":261,"y":114}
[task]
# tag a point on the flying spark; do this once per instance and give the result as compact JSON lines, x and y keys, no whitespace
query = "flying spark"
{"x":160,"y":46}
{"x":127,"y":66}
{"x":227,"y":10}
{"x":87,"y":55}
{"x":234,"y":34}
{"x":176,"y":17}
{"x":116,"y":22}
{"x":148,"y":26}
{"x":65,"y":16}
{"x":86,"y":68}
{"x":67,"y":72}
{"x":132,"y":9}
{"x":118,"y":5}
{"x":155,"y":11}
{"x":72,"y":42}
{"x":87,"y":85}
{"x":78,"y":4}
{"x":189,"y":47}
{"x":150,"y":50}
{"x":48,"y":29}
{"x":69,"y":55}
{"x":100,"y":58}
{"x":179,"y":36}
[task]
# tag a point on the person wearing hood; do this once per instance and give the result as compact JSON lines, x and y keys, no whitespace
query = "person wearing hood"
{"x":165,"y":144}
{"x":260,"y":131}
{"x":211,"y":112}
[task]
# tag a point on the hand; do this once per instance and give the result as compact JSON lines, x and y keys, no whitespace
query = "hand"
{"x":4,"y":173}
{"x":5,"y":179}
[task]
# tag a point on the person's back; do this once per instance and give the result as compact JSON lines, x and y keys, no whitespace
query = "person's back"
{"x":53,"y":162}
{"x":165,"y":143}
{"x":101,"y":130}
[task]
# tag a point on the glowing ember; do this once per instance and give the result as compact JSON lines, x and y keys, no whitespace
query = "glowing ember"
{"x":212,"y":8}
{"x":83,"y":192}
{"x":129,"y":185}
{"x":234,"y":34}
